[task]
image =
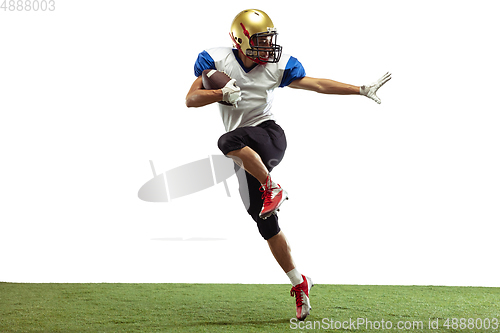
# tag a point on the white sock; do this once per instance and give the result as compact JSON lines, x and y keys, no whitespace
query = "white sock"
{"x":295,"y":277}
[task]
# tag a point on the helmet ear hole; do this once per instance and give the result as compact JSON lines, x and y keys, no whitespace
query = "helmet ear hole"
{"x":239,"y":40}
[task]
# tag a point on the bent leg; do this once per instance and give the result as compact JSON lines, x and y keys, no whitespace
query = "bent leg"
{"x":252,"y":163}
{"x":253,"y":201}
{"x":254,"y":149}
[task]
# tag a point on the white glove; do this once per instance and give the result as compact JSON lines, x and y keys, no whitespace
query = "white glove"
{"x":371,"y":90}
{"x":231,"y":93}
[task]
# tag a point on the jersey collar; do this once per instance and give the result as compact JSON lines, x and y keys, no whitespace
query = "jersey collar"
{"x":235,"y":52}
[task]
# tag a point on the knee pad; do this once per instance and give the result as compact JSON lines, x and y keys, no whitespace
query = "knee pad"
{"x":269,"y":227}
{"x":222,"y":143}
{"x":228,"y":143}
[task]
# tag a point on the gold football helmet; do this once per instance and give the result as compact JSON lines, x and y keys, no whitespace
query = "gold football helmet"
{"x":254,"y":34}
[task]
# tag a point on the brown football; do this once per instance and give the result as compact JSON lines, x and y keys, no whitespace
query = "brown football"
{"x":214,"y":79}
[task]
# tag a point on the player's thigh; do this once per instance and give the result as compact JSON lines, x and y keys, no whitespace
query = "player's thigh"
{"x":271,"y":149}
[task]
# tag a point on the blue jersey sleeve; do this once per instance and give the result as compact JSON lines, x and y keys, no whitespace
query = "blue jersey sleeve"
{"x":203,"y":62}
{"x":293,"y":71}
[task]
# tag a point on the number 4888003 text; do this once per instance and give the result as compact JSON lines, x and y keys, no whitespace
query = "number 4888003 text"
{"x":28,"y":5}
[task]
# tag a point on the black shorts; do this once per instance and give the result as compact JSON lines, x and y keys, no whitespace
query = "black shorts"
{"x":269,"y":141}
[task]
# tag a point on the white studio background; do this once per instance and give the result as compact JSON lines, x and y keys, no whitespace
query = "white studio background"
{"x":406,"y":192}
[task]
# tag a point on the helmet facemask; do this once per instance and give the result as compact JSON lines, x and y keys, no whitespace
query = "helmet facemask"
{"x":264,"y":47}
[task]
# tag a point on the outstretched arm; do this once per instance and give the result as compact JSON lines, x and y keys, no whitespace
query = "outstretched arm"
{"x":326,"y":86}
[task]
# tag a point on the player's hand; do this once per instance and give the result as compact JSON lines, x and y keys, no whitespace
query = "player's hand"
{"x":231,"y":93}
{"x":370,"y":91}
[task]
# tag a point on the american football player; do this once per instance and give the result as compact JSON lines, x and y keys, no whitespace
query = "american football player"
{"x":253,"y":138}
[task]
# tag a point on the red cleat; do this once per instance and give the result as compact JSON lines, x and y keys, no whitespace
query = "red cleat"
{"x":301,"y":293}
{"x":273,"y":196}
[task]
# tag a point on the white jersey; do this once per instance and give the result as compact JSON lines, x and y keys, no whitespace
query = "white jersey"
{"x":257,"y":84}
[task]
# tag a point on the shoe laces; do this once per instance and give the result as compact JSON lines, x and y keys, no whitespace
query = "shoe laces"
{"x":297,"y":292}
{"x":267,"y":190}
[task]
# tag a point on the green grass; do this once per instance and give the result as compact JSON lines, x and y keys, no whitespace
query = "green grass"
{"x":231,"y":307}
